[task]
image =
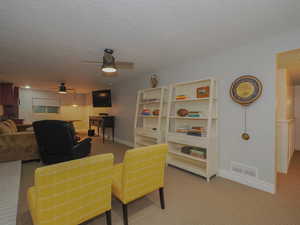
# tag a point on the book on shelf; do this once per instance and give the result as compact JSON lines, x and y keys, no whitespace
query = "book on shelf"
{"x":181,"y":97}
{"x":194,"y":151}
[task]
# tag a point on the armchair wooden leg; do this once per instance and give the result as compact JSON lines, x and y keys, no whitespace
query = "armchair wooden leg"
{"x":125,"y":214}
{"x":108,"y":217}
{"x":162,"y":198}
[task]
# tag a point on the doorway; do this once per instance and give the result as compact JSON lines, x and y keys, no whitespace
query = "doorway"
{"x":287,"y":111}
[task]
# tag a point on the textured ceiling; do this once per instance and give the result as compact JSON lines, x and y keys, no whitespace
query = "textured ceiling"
{"x":44,"y":42}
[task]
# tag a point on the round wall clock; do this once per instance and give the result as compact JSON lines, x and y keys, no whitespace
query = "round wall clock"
{"x":245,"y":90}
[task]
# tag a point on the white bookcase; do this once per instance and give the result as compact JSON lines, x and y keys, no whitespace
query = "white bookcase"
{"x":202,"y":156}
{"x":150,"y":129}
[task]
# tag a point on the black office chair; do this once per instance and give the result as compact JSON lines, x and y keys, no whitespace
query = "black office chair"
{"x":108,"y":122}
{"x":57,"y":141}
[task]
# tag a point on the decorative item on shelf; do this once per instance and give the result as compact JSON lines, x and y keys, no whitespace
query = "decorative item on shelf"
{"x":198,"y":128}
{"x":155,"y":112}
{"x":203,"y":92}
{"x":182,"y":112}
{"x":154,"y":80}
{"x":146,"y":112}
{"x":197,"y":131}
{"x":194,"y":114}
{"x":194,"y":133}
{"x":182,"y":130}
{"x":244,"y":91}
{"x":181,"y":97}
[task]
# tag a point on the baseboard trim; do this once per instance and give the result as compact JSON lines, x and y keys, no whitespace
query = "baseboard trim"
{"x":251,"y":182}
{"x":128,"y":143}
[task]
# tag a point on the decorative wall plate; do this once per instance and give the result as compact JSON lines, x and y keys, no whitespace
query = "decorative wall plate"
{"x":245,"y":90}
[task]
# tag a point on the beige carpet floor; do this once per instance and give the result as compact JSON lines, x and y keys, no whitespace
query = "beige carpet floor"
{"x":190,"y":200}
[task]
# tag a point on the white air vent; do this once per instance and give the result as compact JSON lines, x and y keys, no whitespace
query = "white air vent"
{"x":243,"y":169}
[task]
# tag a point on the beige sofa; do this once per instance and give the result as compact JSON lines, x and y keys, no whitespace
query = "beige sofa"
{"x":16,"y":145}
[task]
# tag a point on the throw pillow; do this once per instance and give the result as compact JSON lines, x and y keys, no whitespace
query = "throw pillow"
{"x":4,"y":129}
{"x":13,"y":126}
{"x":8,"y":124}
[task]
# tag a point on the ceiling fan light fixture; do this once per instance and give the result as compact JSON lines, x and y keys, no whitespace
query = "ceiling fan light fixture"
{"x":109,"y":65}
{"x":62,"y":89}
{"x":109,"y":69}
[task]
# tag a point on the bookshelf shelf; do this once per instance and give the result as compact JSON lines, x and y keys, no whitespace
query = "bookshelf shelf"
{"x":192,"y":100}
{"x":150,"y":129}
{"x":149,"y":103}
{"x":205,"y":124}
{"x":187,"y":156}
{"x":189,"y":118}
{"x":156,"y":117}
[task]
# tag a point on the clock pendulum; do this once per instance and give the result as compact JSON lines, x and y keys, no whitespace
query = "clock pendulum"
{"x":245,"y":135}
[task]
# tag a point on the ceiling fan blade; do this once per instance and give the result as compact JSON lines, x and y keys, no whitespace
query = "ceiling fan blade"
{"x":113,"y":74}
{"x":125,"y":65}
{"x":88,"y":61}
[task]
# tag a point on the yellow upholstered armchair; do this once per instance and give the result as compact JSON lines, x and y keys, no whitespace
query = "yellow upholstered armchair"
{"x":141,"y":172}
{"x":72,"y":192}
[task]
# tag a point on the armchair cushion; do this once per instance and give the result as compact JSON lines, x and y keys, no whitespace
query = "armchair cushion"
{"x":18,"y":146}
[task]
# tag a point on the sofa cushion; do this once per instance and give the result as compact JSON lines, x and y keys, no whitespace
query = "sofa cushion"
{"x":5,"y":129}
{"x":18,"y":146}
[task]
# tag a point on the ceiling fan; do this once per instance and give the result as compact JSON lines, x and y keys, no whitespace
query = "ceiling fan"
{"x":62,"y":89}
{"x":109,"y":66}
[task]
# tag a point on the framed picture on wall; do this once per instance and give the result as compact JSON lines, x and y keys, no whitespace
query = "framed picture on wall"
{"x":203,"y":92}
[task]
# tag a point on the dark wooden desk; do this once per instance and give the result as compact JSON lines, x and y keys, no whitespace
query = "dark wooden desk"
{"x":103,"y":122}
{"x":95,"y":121}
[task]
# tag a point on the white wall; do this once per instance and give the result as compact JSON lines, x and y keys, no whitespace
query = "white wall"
{"x":297,"y":116}
{"x":257,"y":59}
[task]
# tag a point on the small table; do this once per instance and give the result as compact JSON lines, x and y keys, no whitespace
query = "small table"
{"x":95,"y":121}
{"x":103,"y":122}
